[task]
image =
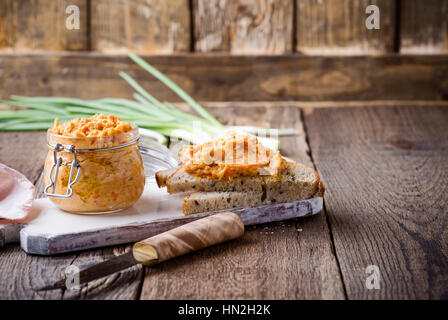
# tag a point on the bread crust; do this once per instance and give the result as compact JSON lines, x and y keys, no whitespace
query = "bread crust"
{"x":163,"y":175}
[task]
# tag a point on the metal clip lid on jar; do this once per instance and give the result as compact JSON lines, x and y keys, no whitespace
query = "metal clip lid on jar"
{"x":73,"y":165}
{"x":85,"y":166}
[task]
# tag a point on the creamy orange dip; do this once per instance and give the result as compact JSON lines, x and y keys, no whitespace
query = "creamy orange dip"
{"x":99,"y":125}
{"x":230,"y":157}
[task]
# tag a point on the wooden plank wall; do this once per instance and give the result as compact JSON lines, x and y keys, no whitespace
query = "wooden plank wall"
{"x":243,"y":27}
{"x":424,"y":27}
{"x":274,"y":27}
{"x":40,"y":25}
{"x":217,"y":77}
{"x":338,"y":27}
{"x":155,"y":26}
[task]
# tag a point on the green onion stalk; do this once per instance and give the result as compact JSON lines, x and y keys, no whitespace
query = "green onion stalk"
{"x":156,"y":119}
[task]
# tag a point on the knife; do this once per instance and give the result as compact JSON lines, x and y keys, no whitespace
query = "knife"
{"x":187,"y":238}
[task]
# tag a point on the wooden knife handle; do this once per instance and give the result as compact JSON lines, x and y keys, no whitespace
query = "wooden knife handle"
{"x":189,"y":237}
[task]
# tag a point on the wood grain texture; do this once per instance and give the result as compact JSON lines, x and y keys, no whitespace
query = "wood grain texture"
{"x":147,"y":26}
{"x":243,"y":26}
{"x":424,"y":27}
{"x":329,"y":27}
{"x":386,"y":177}
{"x":216,"y":77}
{"x":41,"y":25}
{"x":22,"y":274}
{"x":285,"y":260}
{"x":24,"y":151}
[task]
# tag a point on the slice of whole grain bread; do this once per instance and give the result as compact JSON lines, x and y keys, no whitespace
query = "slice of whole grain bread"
{"x":298,"y":183}
{"x":295,"y":178}
{"x":214,"y":201}
{"x":162,"y":176}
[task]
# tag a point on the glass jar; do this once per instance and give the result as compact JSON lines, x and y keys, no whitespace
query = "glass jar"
{"x":93,"y":175}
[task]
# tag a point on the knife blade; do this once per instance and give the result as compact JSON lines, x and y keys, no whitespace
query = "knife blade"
{"x":95,"y":272}
{"x":187,"y":238}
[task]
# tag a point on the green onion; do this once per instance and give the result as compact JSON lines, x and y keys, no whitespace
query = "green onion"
{"x":170,"y":84}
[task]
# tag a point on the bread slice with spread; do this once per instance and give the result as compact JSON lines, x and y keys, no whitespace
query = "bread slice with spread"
{"x":237,"y":171}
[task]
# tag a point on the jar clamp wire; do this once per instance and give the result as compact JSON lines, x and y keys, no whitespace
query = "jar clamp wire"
{"x":73,"y":165}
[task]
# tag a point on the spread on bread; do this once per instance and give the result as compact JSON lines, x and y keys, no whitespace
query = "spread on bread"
{"x":236,"y":155}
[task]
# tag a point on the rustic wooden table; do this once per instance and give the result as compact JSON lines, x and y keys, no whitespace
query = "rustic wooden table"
{"x":386,"y":173}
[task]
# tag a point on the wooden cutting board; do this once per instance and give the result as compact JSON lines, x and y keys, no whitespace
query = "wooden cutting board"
{"x":52,"y":231}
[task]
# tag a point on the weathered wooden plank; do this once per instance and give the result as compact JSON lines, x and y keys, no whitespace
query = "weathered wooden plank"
{"x":321,"y":104}
{"x":41,"y":25}
{"x":147,"y":26}
{"x":329,"y":27}
{"x":287,"y":260}
{"x":22,"y":274}
{"x":424,"y":27}
{"x":243,"y":26}
{"x":24,"y":151}
{"x":214,"y":77}
{"x":386,"y":177}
